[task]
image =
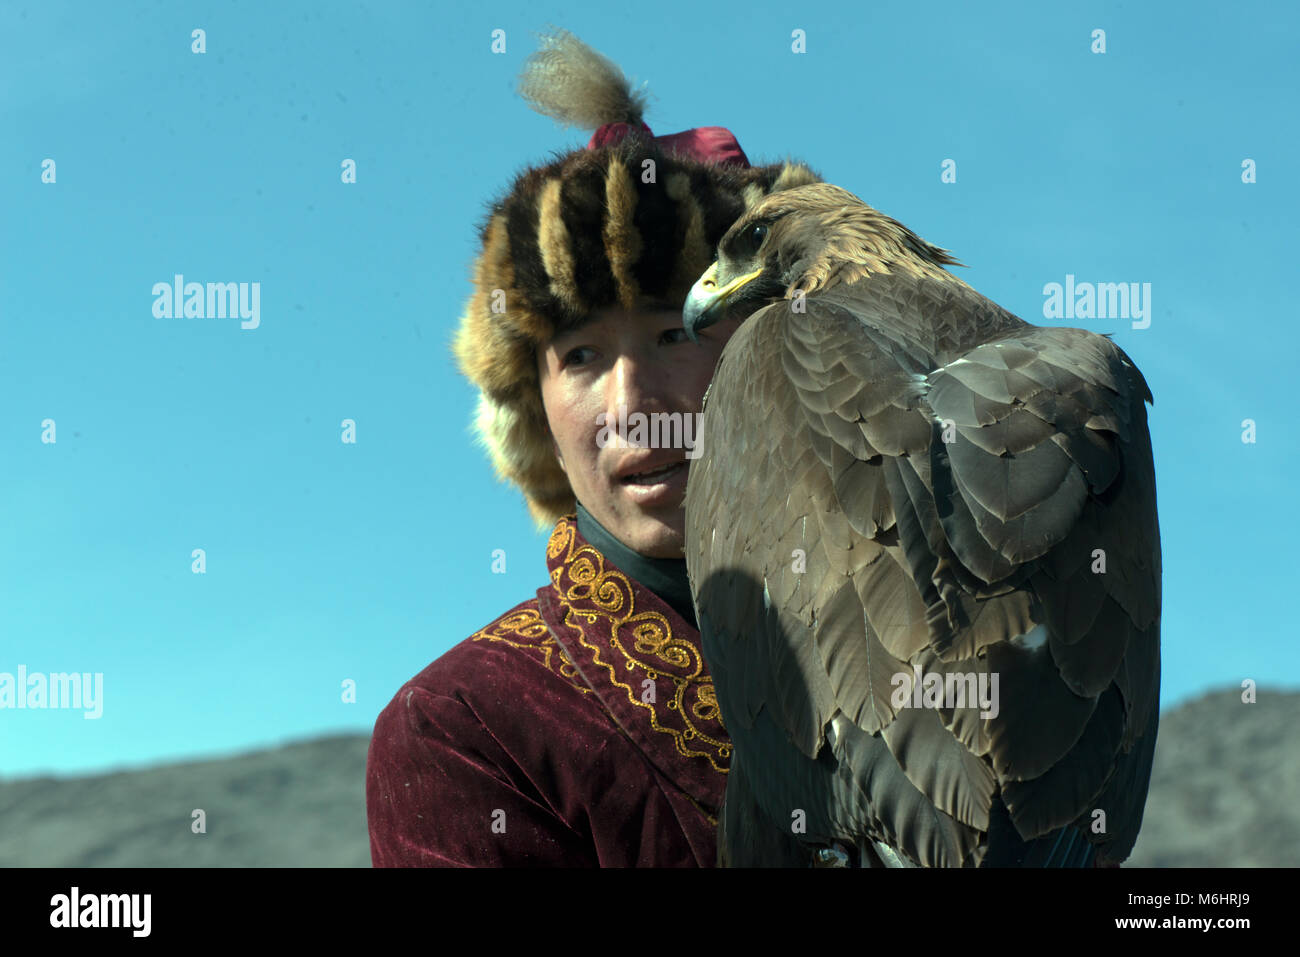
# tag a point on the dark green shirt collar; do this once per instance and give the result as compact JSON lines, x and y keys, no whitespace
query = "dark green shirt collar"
{"x":666,"y":577}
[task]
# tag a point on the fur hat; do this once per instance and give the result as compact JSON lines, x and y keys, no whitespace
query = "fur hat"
{"x":630,"y":221}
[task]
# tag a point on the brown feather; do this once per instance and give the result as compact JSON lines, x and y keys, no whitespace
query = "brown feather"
{"x":964,"y":554}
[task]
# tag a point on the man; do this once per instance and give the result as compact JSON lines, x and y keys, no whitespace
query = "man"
{"x":580,"y":728}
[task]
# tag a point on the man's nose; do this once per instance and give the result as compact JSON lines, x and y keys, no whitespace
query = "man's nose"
{"x":635,"y":384}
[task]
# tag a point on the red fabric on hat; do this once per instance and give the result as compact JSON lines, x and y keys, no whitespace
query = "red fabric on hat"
{"x":612,"y":133}
{"x":710,"y":144}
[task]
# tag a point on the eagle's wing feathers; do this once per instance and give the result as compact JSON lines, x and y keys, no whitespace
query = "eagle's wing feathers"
{"x":914,"y":501}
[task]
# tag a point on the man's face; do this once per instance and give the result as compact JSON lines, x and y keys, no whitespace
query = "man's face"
{"x":641,"y":360}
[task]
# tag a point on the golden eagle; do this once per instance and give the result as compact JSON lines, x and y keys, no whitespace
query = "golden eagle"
{"x":923,"y":546}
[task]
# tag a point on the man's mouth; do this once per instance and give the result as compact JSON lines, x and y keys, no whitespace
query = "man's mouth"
{"x":654,"y":476}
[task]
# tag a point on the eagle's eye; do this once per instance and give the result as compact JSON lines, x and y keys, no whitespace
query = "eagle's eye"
{"x":745,"y":244}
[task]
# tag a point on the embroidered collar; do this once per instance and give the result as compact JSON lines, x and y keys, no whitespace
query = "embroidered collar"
{"x":642,"y":659}
{"x":666,"y":577}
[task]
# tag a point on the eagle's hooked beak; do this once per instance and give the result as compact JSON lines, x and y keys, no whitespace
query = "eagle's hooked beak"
{"x":706,"y":303}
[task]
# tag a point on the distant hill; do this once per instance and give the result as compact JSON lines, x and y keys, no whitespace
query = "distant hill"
{"x":1225,"y":789}
{"x":301,"y":805}
{"x":1225,"y":793}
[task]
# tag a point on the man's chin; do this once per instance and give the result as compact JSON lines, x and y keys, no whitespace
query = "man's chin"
{"x":674,"y":549}
{"x":656,"y":537}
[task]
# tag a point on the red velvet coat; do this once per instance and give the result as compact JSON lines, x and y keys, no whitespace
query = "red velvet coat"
{"x":578,"y":729}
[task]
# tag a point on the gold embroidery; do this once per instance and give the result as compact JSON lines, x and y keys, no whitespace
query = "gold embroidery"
{"x":581,"y":576}
{"x":561,"y":538}
{"x":528,"y":623}
{"x":706,"y":708}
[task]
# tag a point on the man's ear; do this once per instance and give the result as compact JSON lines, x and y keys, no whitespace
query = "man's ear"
{"x":555,"y":447}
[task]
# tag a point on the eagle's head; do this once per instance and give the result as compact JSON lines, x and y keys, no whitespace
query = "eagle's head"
{"x":797,"y":241}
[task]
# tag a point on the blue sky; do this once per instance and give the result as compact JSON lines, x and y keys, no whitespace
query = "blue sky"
{"x":329,"y":561}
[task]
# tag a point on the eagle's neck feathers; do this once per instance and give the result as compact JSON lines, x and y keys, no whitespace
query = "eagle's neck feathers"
{"x":857,"y":242}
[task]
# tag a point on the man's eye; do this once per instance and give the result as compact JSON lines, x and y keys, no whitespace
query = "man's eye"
{"x":677,"y":334}
{"x":575,"y":357}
